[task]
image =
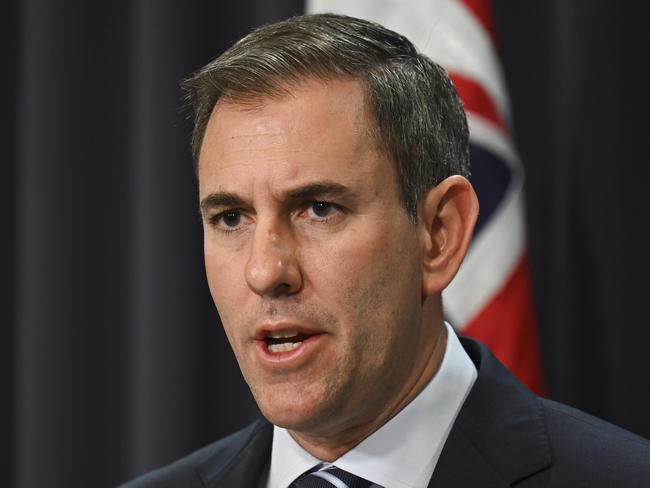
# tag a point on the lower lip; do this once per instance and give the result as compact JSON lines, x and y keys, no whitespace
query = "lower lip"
{"x":304,"y":350}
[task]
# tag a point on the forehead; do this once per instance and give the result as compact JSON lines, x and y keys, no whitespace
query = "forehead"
{"x":316,"y":126}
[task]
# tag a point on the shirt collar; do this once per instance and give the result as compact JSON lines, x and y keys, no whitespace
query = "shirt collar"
{"x":404,"y":451}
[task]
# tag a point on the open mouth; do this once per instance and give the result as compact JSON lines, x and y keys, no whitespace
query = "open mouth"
{"x":284,"y":341}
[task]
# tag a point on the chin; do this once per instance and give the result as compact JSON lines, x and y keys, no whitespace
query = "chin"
{"x":291,"y":411}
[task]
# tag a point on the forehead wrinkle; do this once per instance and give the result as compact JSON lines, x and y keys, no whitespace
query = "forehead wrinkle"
{"x":250,"y":135}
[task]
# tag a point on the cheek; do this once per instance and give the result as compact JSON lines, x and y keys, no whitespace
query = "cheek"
{"x":386,"y":294}
{"x":215,"y":273}
{"x":224,"y":282}
{"x":372,"y":281}
{"x":340,"y":271}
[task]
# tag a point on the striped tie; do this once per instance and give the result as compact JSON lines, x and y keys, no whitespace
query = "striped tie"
{"x":331,"y":477}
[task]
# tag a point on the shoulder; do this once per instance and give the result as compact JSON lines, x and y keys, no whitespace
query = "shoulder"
{"x":185,"y":472}
{"x":538,"y":442}
{"x":596,"y":452}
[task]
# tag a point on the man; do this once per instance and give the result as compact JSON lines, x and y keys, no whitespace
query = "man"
{"x":332,"y":162}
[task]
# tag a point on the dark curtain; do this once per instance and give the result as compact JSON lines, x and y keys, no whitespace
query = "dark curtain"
{"x":114,"y":361}
{"x":578,"y":74}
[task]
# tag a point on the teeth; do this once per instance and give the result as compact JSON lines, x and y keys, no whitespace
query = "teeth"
{"x":280,"y":334}
{"x":284,"y":347}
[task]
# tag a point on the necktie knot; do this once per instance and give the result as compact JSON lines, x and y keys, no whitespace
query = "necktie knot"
{"x":330,"y":477}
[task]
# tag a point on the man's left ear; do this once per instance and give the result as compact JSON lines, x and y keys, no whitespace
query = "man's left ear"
{"x":448,"y":213}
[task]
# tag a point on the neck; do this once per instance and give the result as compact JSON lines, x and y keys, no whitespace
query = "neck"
{"x":331,"y":448}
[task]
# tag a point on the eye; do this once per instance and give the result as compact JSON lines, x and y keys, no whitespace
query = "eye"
{"x":227,"y":221}
{"x":319,"y":212}
{"x":230,"y":218}
{"x":322,"y":209}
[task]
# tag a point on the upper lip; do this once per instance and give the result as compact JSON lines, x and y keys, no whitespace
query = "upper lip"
{"x":262,"y":331}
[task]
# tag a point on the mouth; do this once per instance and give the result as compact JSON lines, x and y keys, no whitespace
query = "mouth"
{"x":285,"y":341}
{"x":287,"y":344}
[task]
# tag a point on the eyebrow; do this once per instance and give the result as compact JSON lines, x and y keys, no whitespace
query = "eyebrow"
{"x":220,"y":199}
{"x":319,"y":190}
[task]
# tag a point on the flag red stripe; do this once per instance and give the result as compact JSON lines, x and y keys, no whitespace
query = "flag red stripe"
{"x":507,"y":326}
{"x":475,"y":99}
{"x":482,"y":10}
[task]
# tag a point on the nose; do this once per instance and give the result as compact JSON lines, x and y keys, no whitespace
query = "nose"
{"x":272,"y":268}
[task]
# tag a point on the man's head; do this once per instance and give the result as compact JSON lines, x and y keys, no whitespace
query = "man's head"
{"x":327,"y":288}
{"x":416,"y":115}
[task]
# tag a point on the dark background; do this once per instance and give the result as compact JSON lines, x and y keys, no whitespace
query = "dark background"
{"x":114,"y":361}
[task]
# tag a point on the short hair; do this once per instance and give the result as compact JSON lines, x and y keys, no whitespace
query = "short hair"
{"x":418,"y":117}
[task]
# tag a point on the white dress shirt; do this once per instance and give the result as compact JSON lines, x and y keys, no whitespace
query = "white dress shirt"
{"x":403,"y":453}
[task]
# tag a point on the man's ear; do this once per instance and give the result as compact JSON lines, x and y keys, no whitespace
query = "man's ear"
{"x":448,"y":213}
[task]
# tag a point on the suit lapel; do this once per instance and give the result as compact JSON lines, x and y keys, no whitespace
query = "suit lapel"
{"x":500,"y":434}
{"x":461,"y":465}
{"x":246,"y":463}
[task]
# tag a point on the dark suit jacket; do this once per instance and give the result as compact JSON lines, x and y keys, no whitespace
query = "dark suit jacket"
{"x":503,"y":436}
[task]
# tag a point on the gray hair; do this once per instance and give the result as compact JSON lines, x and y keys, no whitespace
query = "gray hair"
{"x":418,"y":117}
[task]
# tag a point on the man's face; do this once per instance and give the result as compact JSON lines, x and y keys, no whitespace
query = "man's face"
{"x":311,"y":259}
